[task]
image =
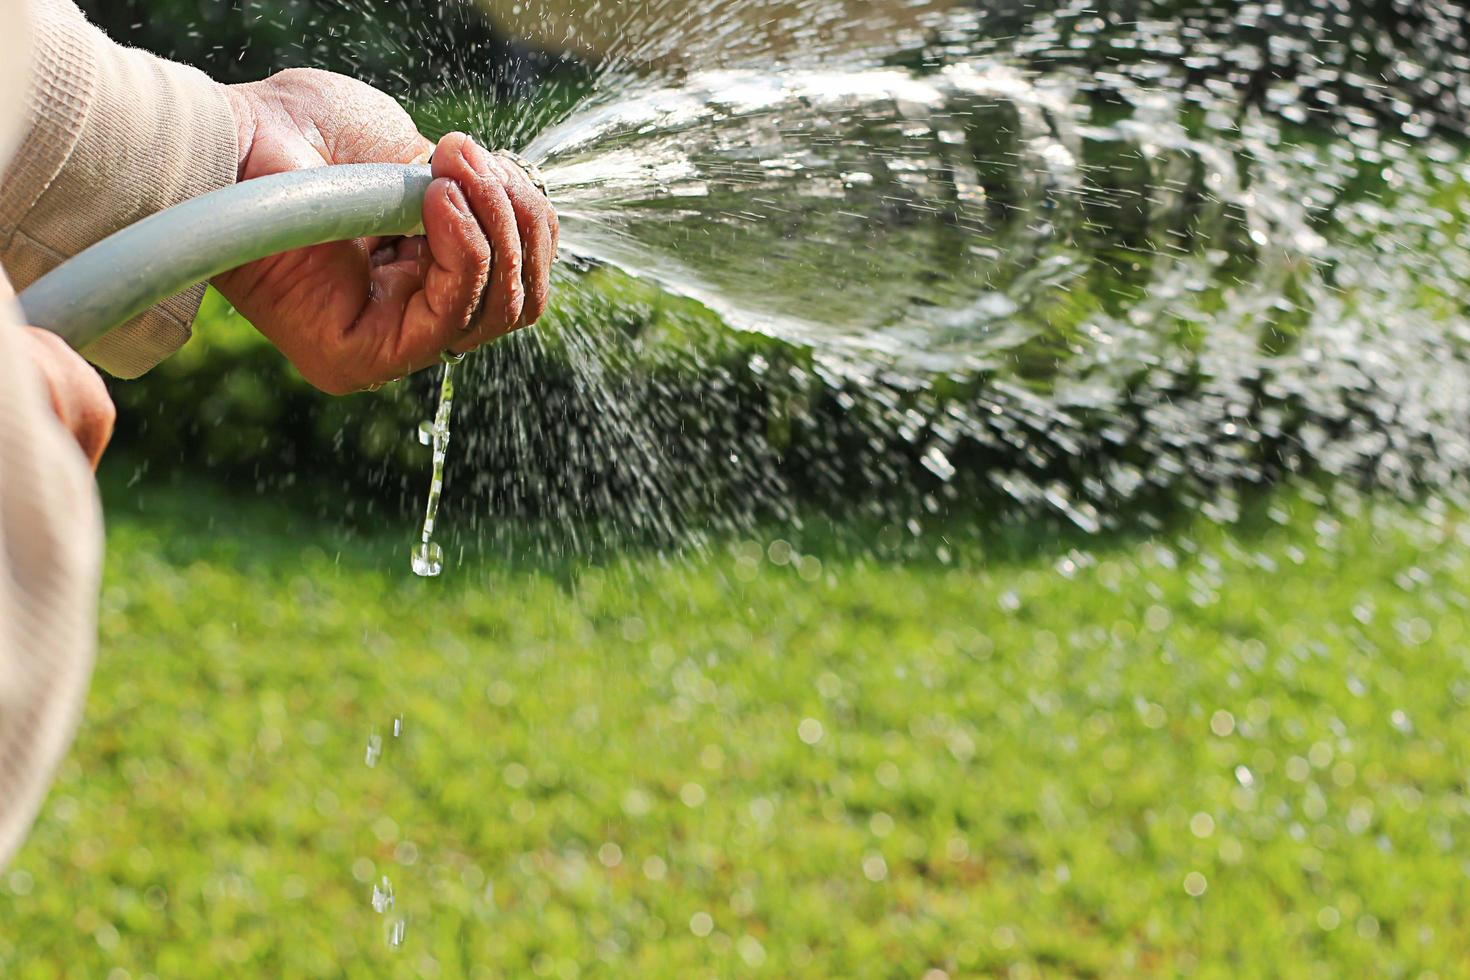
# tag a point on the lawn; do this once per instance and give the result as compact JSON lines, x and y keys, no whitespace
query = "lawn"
{"x":1236,"y":751}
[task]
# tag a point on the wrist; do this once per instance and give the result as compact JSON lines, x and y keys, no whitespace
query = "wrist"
{"x":243,"y":108}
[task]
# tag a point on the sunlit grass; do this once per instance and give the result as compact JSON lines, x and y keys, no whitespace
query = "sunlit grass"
{"x":776,"y":758}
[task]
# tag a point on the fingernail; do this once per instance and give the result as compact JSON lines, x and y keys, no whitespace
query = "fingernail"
{"x":478,"y":156}
{"x":457,"y":200}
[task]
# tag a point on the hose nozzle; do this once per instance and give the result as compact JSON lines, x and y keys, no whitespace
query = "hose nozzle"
{"x":532,"y":171}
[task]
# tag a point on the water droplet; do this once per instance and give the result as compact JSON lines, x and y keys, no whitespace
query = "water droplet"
{"x":382,"y":896}
{"x":937,"y":463}
{"x":374,"y":749}
{"x":875,"y":868}
{"x":428,"y":559}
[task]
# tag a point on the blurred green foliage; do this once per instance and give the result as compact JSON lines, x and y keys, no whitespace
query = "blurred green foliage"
{"x":820,"y":753}
{"x":230,"y":404}
{"x":401,"y":47}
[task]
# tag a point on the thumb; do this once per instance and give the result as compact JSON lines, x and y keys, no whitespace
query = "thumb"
{"x":78,"y":395}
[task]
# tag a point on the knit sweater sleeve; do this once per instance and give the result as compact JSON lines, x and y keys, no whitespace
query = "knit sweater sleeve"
{"x":112,"y":135}
{"x":50,"y":537}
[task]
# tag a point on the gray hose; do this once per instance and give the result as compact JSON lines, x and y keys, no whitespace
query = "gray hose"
{"x":166,"y":253}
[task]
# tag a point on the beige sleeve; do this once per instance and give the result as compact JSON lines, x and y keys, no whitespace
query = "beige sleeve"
{"x":113,"y":134}
{"x":50,"y":551}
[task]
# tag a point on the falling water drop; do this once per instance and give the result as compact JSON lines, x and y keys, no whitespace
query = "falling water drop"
{"x":374,"y":748}
{"x":383,"y":902}
{"x":383,"y":896}
{"x":427,"y":555}
{"x":427,"y":559}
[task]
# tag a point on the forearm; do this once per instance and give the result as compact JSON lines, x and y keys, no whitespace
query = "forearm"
{"x":113,"y":135}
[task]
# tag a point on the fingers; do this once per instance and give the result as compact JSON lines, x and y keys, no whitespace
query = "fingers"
{"x":475,"y":170}
{"x":425,"y":289}
{"x":461,"y":256}
{"x":77,"y":393}
{"x":537,"y":225}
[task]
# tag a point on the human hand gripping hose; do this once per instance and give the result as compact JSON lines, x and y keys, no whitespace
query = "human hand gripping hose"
{"x":132,"y":270}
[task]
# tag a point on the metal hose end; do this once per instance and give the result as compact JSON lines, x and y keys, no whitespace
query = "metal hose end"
{"x":532,"y":171}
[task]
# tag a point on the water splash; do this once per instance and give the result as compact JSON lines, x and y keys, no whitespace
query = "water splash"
{"x":1049,"y":256}
{"x":862,"y":212}
{"x":1104,"y":274}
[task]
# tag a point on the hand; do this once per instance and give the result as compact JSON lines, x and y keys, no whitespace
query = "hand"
{"x":78,"y":395}
{"x":353,"y":314}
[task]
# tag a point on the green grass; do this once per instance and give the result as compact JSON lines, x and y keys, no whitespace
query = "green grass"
{"x":1017,"y":756}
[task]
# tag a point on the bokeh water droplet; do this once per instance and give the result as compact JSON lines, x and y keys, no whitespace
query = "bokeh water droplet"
{"x":382,"y":899}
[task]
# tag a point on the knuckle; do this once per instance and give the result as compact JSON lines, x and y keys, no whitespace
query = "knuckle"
{"x":481,"y":253}
{"x":482,"y":279}
{"x":515,"y":303}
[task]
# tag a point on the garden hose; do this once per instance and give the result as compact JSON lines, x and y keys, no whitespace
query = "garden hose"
{"x":132,"y":270}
